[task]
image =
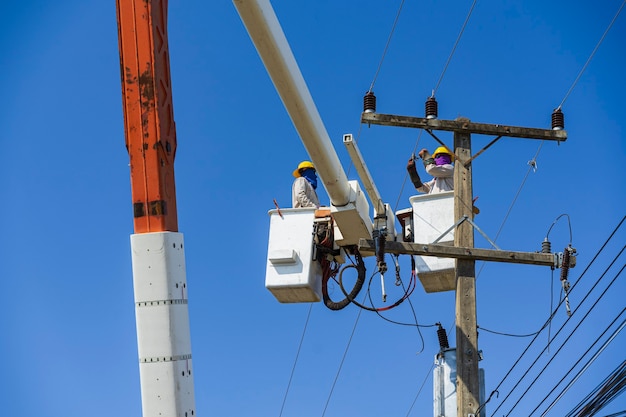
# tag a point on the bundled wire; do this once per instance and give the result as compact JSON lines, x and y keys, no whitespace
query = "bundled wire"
{"x":600,"y":250}
{"x":408,"y":290}
{"x":330,"y":268}
{"x":602,"y":395}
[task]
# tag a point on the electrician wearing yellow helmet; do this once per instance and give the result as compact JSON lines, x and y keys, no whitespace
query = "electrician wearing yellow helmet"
{"x":439,"y":165}
{"x":303,"y":192}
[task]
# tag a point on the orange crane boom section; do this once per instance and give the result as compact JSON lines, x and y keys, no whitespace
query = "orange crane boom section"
{"x":149,"y":125}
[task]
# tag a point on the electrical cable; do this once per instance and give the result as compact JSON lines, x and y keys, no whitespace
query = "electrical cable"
{"x":519,"y":190}
{"x":445,"y":68}
{"x":605,"y":392}
{"x":393,"y":28}
{"x":547,"y":323}
{"x":618,"y":414}
{"x":592,"y":54}
{"x":407,"y":292}
{"x":426,"y":377}
{"x":406,"y":174}
{"x":554,"y":312}
{"x":458,"y":39}
{"x":576,"y":364}
{"x":562,"y":326}
{"x":509,"y":334}
{"x":343,"y":358}
{"x":589,"y":362}
{"x":602,"y":394}
{"x":531,"y":165}
{"x":350,"y":297}
{"x":551,"y":306}
{"x":568,"y":222}
{"x":420,"y":389}
{"x":533,"y":162}
{"x":329,"y":272}
{"x":293,"y":368}
{"x":551,"y":278}
{"x":568,"y":337}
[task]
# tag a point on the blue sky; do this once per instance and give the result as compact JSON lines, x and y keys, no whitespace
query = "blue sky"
{"x":67,"y":315}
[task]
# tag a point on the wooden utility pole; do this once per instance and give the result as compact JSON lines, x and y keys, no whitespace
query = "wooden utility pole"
{"x":467,"y":385}
{"x":467,"y":382}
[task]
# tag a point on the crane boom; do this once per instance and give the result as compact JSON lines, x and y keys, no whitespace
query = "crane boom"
{"x":267,"y":35}
{"x":148,"y":113}
{"x":158,"y":258}
{"x":348,"y":203}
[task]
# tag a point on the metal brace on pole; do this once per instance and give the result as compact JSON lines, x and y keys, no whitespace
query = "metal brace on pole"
{"x":467,"y":219}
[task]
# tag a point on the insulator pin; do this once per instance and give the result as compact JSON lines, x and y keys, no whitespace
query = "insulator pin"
{"x":443,"y":337}
{"x":558,"y":119}
{"x":380,"y":238}
{"x":369,"y":102}
{"x":431,"y":108}
{"x":565,"y":266}
{"x":546,"y":246}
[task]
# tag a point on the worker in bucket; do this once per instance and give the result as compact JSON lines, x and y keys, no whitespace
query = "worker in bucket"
{"x":439,"y":165}
{"x":303,"y":192}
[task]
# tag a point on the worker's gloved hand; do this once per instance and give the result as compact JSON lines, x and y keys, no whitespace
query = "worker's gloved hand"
{"x":415,"y":178}
{"x":427,"y":159}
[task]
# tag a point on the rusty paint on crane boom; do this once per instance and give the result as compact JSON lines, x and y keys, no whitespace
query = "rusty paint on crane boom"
{"x":149,"y":125}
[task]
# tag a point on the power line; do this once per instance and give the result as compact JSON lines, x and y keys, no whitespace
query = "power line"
{"x":531,"y":164}
{"x":595,"y":356}
{"x":426,"y":376}
{"x":420,"y":390}
{"x":551,"y":279}
{"x":592,"y":54}
{"x":393,"y":27}
{"x":343,"y":358}
{"x":568,"y":337}
{"x":293,"y":368}
{"x":618,"y":414}
{"x":456,"y":43}
{"x":445,"y":68}
{"x":577,"y":362}
{"x":554,"y":312}
{"x":603,"y":394}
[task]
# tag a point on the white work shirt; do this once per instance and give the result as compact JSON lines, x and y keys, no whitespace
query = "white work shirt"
{"x":443,"y":179}
{"x":303,"y":194}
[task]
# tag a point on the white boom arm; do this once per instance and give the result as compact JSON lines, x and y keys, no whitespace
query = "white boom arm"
{"x":265,"y":31}
{"x":348,"y":203}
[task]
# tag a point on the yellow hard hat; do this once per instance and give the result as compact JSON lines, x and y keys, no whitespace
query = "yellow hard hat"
{"x":443,"y":149}
{"x":302,"y":166}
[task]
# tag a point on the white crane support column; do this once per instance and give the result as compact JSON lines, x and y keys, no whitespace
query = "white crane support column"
{"x":162,"y":316}
{"x":266,"y":33}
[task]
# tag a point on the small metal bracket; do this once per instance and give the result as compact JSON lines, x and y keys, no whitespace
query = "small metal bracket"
{"x":467,"y":219}
{"x":430,"y":132}
{"x":466,"y":164}
{"x":558,"y":260}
